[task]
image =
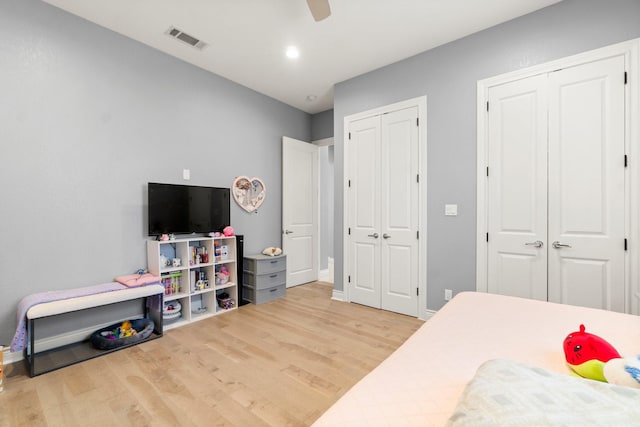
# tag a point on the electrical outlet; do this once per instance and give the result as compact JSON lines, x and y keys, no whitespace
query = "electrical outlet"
{"x":448,"y":294}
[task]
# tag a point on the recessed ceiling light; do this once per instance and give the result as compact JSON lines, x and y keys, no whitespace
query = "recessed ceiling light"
{"x":311,"y":98}
{"x":292,"y":52}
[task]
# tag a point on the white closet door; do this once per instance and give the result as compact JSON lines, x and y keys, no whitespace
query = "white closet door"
{"x":383,"y":163}
{"x":586,"y":185}
{"x":399,"y":211}
{"x":517,"y":189}
{"x":364,"y":211}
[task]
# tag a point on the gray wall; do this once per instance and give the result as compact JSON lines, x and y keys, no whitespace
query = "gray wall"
{"x":87,"y":118}
{"x":322,"y":125}
{"x":447,"y":76}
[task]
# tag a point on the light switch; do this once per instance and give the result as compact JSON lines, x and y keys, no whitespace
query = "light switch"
{"x":186,"y":174}
{"x":451,"y":210}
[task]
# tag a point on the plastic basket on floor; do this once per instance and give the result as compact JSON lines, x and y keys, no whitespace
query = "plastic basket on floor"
{"x":143,"y":327}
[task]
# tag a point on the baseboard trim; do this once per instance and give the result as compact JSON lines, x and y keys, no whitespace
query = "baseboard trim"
{"x":429,"y":314}
{"x":337,"y":295}
{"x":323,"y":275}
{"x":9,"y":357}
{"x":56,"y":341}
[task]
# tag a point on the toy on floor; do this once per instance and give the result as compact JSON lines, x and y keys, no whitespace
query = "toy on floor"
{"x":592,"y":357}
{"x":123,"y":331}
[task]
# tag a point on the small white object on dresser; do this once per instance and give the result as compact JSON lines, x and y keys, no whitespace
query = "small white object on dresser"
{"x":196,"y":276}
{"x":264,"y":278}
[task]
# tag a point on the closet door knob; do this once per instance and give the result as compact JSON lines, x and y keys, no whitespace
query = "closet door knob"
{"x":374,"y":235}
{"x":386,"y":236}
{"x":537,"y":243}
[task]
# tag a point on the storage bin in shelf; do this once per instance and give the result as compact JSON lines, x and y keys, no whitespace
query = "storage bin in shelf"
{"x":172,"y":312}
{"x":225,"y":301}
{"x":173,"y":282}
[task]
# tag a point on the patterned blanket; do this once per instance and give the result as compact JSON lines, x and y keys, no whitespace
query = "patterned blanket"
{"x":20,"y":338}
{"x":509,"y":394}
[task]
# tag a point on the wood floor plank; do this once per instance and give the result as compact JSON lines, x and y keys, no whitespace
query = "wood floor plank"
{"x":277,"y":364}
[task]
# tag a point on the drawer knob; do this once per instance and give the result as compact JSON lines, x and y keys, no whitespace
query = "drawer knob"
{"x":273,"y":275}
{"x":273,"y":290}
{"x":273,"y":262}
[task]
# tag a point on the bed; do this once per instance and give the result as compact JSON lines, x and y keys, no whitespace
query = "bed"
{"x":423,"y":381}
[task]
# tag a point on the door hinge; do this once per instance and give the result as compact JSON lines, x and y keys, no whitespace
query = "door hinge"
{"x":625,"y":244}
{"x":625,"y":77}
{"x":418,"y":178}
{"x":349,"y":231}
{"x":487,"y":237}
{"x":417,"y":291}
{"x":349,"y":135}
{"x":417,"y":234}
{"x":417,"y":121}
{"x":349,"y":279}
{"x":625,"y":161}
{"x":487,"y":106}
{"x":487,"y":170}
{"x":349,"y":183}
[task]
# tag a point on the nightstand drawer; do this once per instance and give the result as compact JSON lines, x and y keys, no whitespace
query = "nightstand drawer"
{"x":263,"y":264}
{"x":263,"y":281}
{"x":263,"y":295}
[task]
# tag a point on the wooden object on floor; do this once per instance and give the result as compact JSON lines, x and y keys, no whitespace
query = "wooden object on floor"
{"x":275,"y":364}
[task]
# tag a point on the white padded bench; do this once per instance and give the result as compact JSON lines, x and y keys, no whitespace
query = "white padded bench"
{"x":50,"y":359}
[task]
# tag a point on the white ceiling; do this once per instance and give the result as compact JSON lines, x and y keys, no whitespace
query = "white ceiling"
{"x":247,"y":38}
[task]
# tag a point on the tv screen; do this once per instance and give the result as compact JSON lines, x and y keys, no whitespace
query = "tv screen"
{"x":186,"y":209}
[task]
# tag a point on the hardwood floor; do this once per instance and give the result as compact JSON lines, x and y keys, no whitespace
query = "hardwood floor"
{"x":277,"y":364}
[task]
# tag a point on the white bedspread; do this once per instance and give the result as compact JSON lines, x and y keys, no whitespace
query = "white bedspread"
{"x":421,"y":382}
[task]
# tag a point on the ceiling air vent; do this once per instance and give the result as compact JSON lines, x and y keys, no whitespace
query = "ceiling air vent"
{"x":185,"y":38}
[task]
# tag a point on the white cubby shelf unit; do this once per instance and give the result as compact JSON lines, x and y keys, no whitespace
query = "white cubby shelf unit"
{"x":193,"y":280}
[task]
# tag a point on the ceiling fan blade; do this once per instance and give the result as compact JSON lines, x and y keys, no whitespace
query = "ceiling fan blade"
{"x":319,"y":9}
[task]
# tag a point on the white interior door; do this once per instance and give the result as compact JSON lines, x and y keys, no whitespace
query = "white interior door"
{"x":586,"y":185}
{"x":399,"y":188}
{"x":300,"y":210}
{"x":517,"y":189}
{"x":383,"y":193}
{"x":364,"y":211}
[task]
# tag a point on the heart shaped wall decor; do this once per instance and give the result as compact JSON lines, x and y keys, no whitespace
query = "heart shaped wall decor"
{"x":249,"y":193}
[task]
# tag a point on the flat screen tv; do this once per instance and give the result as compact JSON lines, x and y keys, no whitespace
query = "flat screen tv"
{"x":186,"y":209}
